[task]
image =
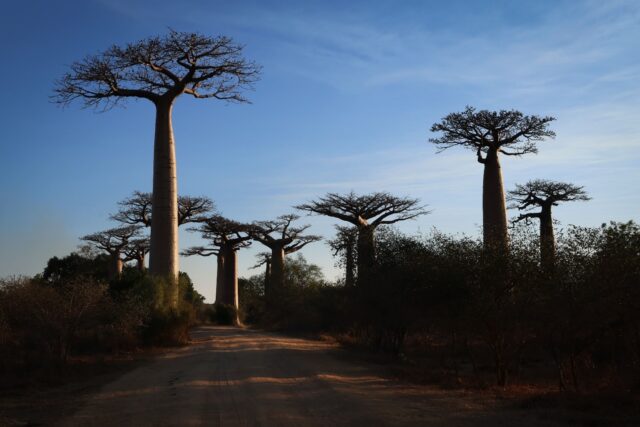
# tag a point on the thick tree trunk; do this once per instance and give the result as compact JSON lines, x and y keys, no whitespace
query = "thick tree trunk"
{"x":366,"y":254}
{"x":494,"y":211}
{"x":267,"y":277}
{"x":230,"y":296}
{"x":547,"y":240}
{"x":163,"y":258}
{"x":140,"y":263}
{"x":115,"y":266}
{"x":220,"y":277}
{"x":277,"y":271}
{"x":349,"y":279}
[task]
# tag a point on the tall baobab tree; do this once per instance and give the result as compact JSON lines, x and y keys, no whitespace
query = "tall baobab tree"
{"x":345,"y":244}
{"x":543,"y":195}
{"x":366,"y":212}
{"x":226,"y":237}
{"x":113,"y":241}
{"x":489,"y":134}
{"x":136,"y":250}
{"x":160,"y":69}
{"x":283,"y":239}
{"x":137,"y":209}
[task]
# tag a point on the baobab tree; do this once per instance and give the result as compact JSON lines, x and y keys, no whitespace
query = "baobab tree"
{"x":137,"y":209}
{"x":283,"y":239}
{"x":136,"y":250}
{"x":113,"y":241}
{"x":226,"y":238}
{"x":264,"y":258}
{"x":543,"y":195}
{"x":345,"y":244}
{"x":160,"y":69}
{"x":489,"y":134}
{"x":366,"y":212}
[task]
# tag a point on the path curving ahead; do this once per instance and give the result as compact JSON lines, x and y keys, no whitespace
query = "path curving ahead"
{"x":239,"y":377}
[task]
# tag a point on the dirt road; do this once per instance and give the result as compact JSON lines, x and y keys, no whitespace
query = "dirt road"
{"x":237,"y":377}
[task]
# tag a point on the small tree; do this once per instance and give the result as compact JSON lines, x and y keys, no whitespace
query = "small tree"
{"x":344,"y":244}
{"x":489,"y":134}
{"x":367,"y":213}
{"x":137,"y":209}
{"x":136,"y":250}
{"x":544,"y":194}
{"x":283,"y":239}
{"x":226,"y":237}
{"x":113,"y":241}
{"x":264,"y":258}
{"x":160,"y":69}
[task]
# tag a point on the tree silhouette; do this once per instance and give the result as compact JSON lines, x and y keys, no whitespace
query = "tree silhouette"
{"x":345,"y":244}
{"x":490,"y":133}
{"x":136,"y":250}
{"x":113,"y":241}
{"x":367,"y":213}
{"x":160,"y":69}
{"x":544,"y":194}
{"x":137,"y":209}
{"x":226,"y":237}
{"x":264,"y":258}
{"x":283,"y":239}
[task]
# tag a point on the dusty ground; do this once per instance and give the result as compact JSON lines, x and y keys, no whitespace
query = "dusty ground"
{"x":237,"y":377}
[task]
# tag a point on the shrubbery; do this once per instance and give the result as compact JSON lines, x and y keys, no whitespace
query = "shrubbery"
{"x":445,"y":297}
{"x":71,"y":310}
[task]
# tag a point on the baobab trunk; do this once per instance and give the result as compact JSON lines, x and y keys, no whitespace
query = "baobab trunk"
{"x":349,"y":279}
{"x":277,"y":271}
{"x":366,"y":254}
{"x":230,"y":296}
{"x":494,"y":210}
{"x":267,"y":277}
{"x":163,"y":258}
{"x":115,"y":266}
{"x":220,"y":277}
{"x":547,"y":240}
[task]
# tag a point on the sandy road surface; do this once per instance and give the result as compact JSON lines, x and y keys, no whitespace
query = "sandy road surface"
{"x":236,"y":377}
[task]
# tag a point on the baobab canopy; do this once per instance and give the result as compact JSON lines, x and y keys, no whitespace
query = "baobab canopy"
{"x":189,"y":63}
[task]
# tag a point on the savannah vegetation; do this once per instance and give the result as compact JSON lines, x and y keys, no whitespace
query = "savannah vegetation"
{"x":514,"y":305}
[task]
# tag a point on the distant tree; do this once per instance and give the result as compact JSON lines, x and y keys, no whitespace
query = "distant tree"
{"x":283,"y":239}
{"x":160,"y":69}
{"x":264,"y":258}
{"x":367,"y":213}
{"x":136,"y":250}
{"x":74,"y":265}
{"x":113,"y":241}
{"x":544,"y":194}
{"x":490,"y":133}
{"x":137,"y":209}
{"x":226,"y":237}
{"x":344,"y":244}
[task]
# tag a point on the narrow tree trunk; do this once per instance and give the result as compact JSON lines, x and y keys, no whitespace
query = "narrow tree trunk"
{"x":366,"y":254}
{"x":277,"y":271}
{"x":140,"y":263}
{"x":494,"y":212}
{"x":547,"y":240}
{"x":163,"y":258}
{"x":220,"y":277}
{"x":349,"y":279}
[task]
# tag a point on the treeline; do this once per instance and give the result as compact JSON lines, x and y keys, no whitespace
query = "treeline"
{"x":483,"y":317}
{"x":74,"y":308}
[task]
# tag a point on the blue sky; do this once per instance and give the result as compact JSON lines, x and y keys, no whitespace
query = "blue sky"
{"x":348,"y":93}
